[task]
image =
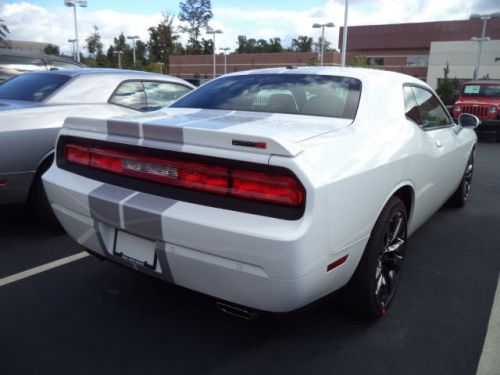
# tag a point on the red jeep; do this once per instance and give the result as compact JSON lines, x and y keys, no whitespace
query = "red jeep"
{"x":481,"y":98}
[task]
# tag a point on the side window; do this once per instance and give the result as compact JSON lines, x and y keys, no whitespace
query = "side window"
{"x":162,"y":94}
{"x":411,"y":107}
{"x":431,"y":111}
{"x":130,"y":95}
{"x":59,"y":64}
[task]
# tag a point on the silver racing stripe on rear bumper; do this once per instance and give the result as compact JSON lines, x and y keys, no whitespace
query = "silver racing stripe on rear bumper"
{"x":142,"y":215}
{"x":112,"y":208}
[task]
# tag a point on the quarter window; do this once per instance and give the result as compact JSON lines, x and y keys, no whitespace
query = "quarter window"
{"x":131,"y":95}
{"x":432,"y":114}
{"x":411,"y":108}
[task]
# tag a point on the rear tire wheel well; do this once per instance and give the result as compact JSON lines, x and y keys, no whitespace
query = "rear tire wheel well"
{"x":406,"y":194}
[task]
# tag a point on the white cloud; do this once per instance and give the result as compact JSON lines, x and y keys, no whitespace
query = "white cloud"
{"x":28,"y":21}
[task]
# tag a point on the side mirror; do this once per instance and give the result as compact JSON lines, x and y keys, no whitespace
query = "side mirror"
{"x":468,"y":121}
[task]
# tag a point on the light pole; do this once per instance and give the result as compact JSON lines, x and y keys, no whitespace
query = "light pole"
{"x":133,"y":37}
{"x":213,"y":32}
{"x":322,"y":46}
{"x":344,"y":34}
{"x":484,"y":38}
{"x":161,"y":67}
{"x":225,"y":49}
{"x":119,"y":53}
{"x":73,"y":41}
{"x":73,"y":3}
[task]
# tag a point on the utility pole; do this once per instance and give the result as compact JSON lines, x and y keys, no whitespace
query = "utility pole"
{"x":213,"y":32}
{"x":133,"y":37}
{"x":73,"y":3}
{"x":225,"y":49}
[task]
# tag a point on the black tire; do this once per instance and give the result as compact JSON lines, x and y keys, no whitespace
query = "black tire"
{"x":38,"y":200}
{"x":375,"y":281}
{"x":460,"y":196}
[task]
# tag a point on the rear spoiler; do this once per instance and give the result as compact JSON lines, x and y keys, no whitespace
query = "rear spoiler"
{"x":152,"y":134}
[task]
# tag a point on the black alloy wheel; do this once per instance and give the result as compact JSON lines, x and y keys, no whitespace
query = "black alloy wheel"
{"x":375,"y":281}
{"x":460,"y":196}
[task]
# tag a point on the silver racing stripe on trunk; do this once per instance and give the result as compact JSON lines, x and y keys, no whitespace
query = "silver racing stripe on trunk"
{"x":163,"y":133}
{"x":123,"y":128}
{"x":142,"y":215}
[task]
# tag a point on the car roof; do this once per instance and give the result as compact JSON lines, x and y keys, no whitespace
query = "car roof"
{"x":34,"y":54}
{"x":131,"y":74}
{"x":362,"y":74}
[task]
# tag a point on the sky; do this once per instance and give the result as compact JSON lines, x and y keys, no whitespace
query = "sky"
{"x":50,"y":21}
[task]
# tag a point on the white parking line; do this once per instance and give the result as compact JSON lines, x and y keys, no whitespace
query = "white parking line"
{"x":42,"y":268}
{"x":489,"y":363}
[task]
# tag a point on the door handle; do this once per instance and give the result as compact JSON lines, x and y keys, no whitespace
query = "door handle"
{"x":439,"y":144}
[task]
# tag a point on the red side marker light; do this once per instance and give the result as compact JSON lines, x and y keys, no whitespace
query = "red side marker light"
{"x":337,"y":263}
{"x":3,"y":182}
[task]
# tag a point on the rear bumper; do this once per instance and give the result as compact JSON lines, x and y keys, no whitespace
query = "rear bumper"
{"x":261,"y":262}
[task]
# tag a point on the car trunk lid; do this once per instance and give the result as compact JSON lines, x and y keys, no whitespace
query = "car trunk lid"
{"x":255,"y":132}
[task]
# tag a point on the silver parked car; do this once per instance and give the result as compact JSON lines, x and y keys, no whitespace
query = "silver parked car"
{"x":33,"y":107}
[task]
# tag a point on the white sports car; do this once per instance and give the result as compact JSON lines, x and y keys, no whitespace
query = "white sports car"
{"x":267,"y":189}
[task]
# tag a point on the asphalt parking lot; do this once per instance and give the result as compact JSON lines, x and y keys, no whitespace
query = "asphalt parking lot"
{"x":89,"y":316}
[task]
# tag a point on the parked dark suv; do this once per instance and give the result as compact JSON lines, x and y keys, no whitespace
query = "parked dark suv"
{"x":14,"y":62}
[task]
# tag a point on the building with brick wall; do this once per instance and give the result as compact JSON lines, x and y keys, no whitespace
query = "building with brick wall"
{"x":406,"y":47}
{"x":401,"y":47}
{"x":191,"y":66}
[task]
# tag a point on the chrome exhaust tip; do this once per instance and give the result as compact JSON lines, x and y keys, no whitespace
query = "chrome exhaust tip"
{"x":237,"y":311}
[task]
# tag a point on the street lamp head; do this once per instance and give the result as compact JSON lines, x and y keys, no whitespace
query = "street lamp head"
{"x":69,"y":3}
{"x":132,"y":36}
{"x":477,"y":16}
{"x":316,"y":25}
{"x":330,"y":24}
{"x":71,"y":40}
{"x":83,"y":3}
{"x":212,"y":31}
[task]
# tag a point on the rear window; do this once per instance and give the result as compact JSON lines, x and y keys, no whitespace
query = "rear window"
{"x":489,"y":90}
{"x":302,"y":94}
{"x":32,"y":87}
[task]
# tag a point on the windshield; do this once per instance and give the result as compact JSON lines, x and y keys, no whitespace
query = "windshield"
{"x":32,"y":87}
{"x":303,"y":94}
{"x":489,"y":90}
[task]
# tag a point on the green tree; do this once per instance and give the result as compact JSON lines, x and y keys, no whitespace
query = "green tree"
{"x":360,"y":61}
{"x":274,"y":45}
{"x":258,"y":46}
{"x":317,"y":45}
{"x":303,"y":43}
{"x":195,"y":14}
{"x":446,"y":86}
{"x":163,"y":41}
{"x":51,"y":49}
{"x":93,"y":43}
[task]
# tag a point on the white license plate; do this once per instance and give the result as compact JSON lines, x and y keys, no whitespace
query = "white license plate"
{"x":135,"y":249}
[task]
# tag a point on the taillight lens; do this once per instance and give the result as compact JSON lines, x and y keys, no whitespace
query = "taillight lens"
{"x":241,"y":183}
{"x":267,"y":187}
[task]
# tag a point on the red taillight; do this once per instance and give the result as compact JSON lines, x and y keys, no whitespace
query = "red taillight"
{"x":265,"y":187}
{"x":78,"y":154}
